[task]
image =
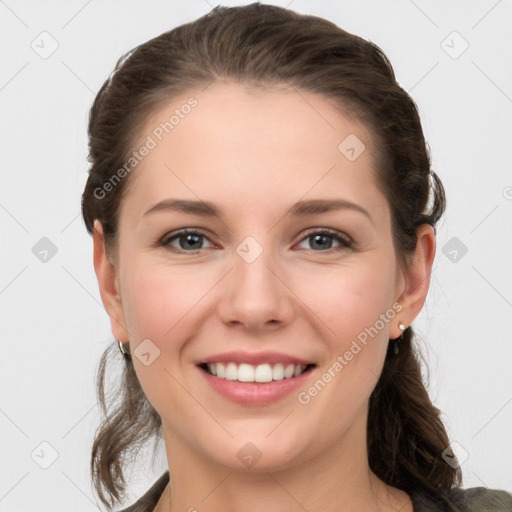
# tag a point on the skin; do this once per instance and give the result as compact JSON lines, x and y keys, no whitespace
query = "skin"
{"x":254,"y":153}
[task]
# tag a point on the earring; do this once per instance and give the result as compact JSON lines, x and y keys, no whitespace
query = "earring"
{"x":123,"y":350}
{"x":398,"y":341}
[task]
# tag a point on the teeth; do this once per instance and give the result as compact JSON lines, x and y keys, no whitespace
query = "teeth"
{"x":261,"y":373}
{"x":231,"y":372}
{"x":289,"y":371}
{"x":278,"y":372}
{"x":246,"y":373}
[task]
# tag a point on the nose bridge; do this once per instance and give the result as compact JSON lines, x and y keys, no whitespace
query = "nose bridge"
{"x":252,"y":264}
{"x":255,"y":296}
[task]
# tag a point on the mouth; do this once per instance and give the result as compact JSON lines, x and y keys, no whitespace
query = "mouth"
{"x":255,"y":378}
{"x":250,"y":373}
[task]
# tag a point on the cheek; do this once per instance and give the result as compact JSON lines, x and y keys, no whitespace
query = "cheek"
{"x":355,"y":305}
{"x":158,"y":300}
{"x":349,"y":299}
{"x":160,"y":303}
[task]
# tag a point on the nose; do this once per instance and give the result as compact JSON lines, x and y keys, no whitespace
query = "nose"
{"x":255,"y":294}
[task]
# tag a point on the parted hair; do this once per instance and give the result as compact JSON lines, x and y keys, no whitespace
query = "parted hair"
{"x":265,"y":45}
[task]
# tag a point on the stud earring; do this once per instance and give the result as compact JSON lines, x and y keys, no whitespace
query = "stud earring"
{"x":398,"y":341}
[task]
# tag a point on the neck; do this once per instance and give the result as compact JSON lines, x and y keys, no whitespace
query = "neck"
{"x":337,"y":478}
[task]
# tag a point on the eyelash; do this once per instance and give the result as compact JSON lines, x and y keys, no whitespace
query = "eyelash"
{"x":344,"y":240}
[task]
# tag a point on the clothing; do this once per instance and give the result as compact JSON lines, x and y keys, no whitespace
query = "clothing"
{"x":475,"y":499}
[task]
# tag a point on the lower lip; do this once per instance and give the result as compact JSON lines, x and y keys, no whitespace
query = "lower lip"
{"x":255,"y":393}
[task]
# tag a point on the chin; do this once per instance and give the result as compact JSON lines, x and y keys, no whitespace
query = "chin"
{"x":260,"y":452}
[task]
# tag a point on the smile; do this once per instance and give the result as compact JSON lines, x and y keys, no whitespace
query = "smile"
{"x":260,"y":373}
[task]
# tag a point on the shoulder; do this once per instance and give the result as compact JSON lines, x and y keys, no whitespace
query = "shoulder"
{"x":474,"y":499}
{"x":482,"y":499}
{"x":149,"y":500}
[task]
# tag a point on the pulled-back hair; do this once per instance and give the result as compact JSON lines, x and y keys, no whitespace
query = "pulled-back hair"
{"x":266,"y":45}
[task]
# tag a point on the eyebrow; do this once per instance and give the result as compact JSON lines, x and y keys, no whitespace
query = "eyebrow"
{"x":299,"y":209}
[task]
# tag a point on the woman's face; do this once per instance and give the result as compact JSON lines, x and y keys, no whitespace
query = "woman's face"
{"x":273,"y":278}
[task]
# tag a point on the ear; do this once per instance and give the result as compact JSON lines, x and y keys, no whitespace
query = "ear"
{"x":108,"y":282}
{"x":416,"y":277}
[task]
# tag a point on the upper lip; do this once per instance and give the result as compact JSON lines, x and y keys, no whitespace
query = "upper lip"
{"x":254,"y":358}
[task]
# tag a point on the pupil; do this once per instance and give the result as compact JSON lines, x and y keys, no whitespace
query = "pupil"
{"x":192,"y":239}
{"x":321,"y":237}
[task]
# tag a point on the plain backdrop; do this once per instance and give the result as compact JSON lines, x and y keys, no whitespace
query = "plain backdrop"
{"x":454,"y":57}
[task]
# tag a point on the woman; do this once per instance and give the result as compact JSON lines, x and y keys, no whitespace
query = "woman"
{"x":263,"y":214}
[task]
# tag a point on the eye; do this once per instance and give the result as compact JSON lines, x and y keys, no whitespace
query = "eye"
{"x":323,"y":240}
{"x":188,"y":240}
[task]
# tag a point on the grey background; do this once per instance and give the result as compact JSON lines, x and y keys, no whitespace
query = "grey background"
{"x":53,"y":325}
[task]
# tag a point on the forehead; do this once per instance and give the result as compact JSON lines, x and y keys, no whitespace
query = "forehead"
{"x":242,"y":144}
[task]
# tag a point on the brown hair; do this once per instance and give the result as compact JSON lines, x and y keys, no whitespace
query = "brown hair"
{"x":268,"y":45}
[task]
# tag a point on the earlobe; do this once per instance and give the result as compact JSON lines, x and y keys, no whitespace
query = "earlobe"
{"x":417,"y":275}
{"x":106,"y":273}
